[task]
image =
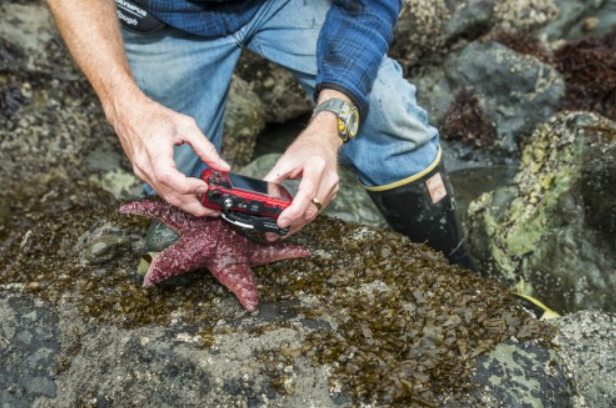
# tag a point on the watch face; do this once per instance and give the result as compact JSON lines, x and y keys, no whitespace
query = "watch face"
{"x":353,"y":123}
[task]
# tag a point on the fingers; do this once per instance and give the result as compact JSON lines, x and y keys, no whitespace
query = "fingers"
{"x":278,"y":173}
{"x":308,"y":188}
{"x":203,"y":147}
{"x":188,"y":203}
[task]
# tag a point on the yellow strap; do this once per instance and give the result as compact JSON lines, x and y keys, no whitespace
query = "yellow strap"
{"x":410,"y":179}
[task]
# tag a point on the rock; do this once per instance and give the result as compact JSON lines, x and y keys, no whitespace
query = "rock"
{"x":427,"y":29}
{"x":102,"y":243}
{"x":587,"y":344}
{"x":29,"y":345}
{"x":160,"y":237}
{"x":577,"y":18}
{"x":513,"y":93}
{"x":28,"y":25}
{"x":542,"y":234}
{"x":351,"y":205}
{"x":276,"y":87}
{"x":244,"y":120}
{"x":364,"y":296}
{"x":49,"y":123}
{"x":110,"y":170}
{"x":509,"y":377}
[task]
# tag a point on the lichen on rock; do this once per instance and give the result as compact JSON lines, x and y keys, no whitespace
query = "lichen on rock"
{"x":541,"y":234}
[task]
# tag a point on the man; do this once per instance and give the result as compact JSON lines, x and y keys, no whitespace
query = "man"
{"x":164,"y":91}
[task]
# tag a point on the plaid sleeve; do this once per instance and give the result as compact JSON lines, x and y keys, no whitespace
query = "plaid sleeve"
{"x":352,"y":43}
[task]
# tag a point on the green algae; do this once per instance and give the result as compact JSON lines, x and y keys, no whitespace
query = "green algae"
{"x":398,"y":325}
{"x":535,"y":234}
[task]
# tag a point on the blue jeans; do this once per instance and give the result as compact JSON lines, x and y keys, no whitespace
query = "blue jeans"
{"x":191,"y":75}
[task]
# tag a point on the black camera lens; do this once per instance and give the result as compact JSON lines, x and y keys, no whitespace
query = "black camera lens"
{"x":215,"y":195}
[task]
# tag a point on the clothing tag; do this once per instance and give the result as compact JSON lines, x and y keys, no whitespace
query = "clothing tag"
{"x":436,"y":188}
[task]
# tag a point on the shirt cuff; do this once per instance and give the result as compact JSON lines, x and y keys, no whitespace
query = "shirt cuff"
{"x":361,"y":103}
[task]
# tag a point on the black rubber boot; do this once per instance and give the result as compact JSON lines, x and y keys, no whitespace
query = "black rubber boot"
{"x":423,"y":209}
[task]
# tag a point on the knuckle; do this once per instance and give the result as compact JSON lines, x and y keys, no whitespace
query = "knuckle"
{"x":335,"y":180}
{"x":174,"y":200}
{"x":162,"y":176}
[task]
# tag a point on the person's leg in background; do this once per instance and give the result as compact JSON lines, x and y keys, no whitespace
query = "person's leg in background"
{"x":189,"y":75}
{"x":396,"y":154}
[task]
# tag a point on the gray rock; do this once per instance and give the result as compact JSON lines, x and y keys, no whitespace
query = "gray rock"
{"x":587,"y":344}
{"x":351,"y":205}
{"x":160,"y":237}
{"x":577,"y":18}
{"x":428,"y":28}
{"x":276,"y":87}
{"x":515,"y":92}
{"x":520,"y":375}
{"x":244,"y":120}
{"x":102,"y":243}
{"x":542,"y":234}
{"x":28,"y":348}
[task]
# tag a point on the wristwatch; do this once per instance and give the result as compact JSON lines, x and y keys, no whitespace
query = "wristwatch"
{"x":348,"y":116}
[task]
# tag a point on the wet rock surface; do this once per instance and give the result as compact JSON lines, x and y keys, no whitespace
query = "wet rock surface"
{"x":315,"y":339}
{"x":587,"y":344}
{"x":244,"y":120}
{"x":505,"y":93}
{"x":577,"y":18}
{"x":542,"y":233}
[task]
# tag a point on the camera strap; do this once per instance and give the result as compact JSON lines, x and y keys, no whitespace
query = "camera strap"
{"x":134,"y":17}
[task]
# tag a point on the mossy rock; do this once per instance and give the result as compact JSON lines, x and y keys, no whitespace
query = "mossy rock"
{"x":551,"y":233}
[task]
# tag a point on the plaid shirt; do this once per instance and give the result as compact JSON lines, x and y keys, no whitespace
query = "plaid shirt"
{"x":351,"y":45}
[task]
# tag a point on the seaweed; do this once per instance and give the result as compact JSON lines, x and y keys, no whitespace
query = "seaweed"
{"x":465,"y":120}
{"x":408,"y":325}
{"x":525,"y":43}
{"x":589,"y":68}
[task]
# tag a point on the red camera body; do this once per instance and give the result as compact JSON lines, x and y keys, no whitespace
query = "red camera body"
{"x":231,"y":193}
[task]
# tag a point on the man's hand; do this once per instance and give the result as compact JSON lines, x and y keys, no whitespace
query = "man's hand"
{"x":148,"y":131}
{"x":314,"y":157}
{"x":148,"y":134}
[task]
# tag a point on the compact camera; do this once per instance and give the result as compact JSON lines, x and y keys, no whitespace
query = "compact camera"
{"x":245,"y":201}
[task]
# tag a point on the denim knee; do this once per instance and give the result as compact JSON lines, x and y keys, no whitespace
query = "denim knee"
{"x":395,"y":139}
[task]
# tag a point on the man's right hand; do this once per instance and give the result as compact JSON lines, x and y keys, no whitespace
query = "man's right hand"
{"x":148,"y":132}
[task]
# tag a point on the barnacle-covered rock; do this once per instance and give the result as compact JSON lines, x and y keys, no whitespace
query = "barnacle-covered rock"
{"x":244,"y":119}
{"x":427,"y":28}
{"x":369,"y":318}
{"x":587,"y":343}
{"x":551,"y":233}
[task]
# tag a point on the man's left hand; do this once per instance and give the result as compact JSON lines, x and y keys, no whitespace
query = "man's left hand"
{"x":314,"y":157}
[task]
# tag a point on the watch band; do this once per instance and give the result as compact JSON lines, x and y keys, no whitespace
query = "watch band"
{"x":348,"y":116}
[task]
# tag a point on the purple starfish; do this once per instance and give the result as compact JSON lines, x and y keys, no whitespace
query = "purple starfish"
{"x":210,"y":243}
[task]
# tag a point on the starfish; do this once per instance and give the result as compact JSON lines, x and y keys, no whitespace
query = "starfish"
{"x":213,"y":244}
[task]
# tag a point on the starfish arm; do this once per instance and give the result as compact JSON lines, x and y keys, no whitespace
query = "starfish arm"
{"x":188,"y":254}
{"x":261,"y":254}
{"x":240,"y":280}
{"x":176,"y":219}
